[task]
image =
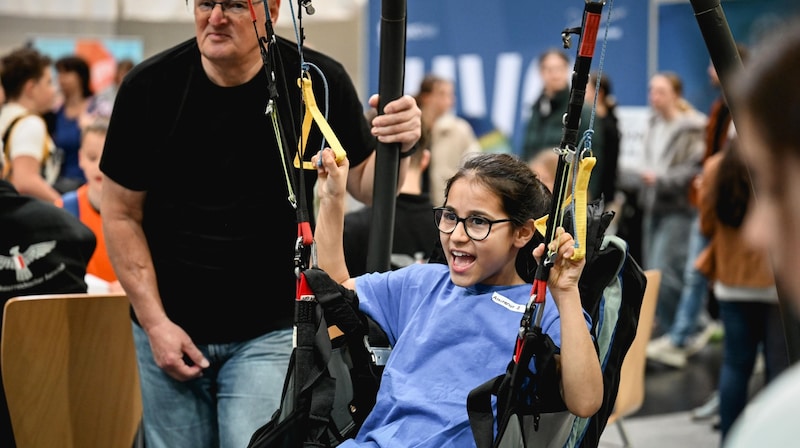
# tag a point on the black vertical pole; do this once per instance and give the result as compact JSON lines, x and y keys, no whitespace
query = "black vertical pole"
{"x":725,"y":57}
{"x":719,"y":40}
{"x":387,"y":162}
{"x":590,"y":23}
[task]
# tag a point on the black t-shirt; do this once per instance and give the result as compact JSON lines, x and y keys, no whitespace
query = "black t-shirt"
{"x":414,"y":231}
{"x":218,"y":221}
{"x":43,"y":248}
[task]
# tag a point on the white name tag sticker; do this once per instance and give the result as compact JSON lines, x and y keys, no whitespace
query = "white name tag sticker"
{"x":507,"y":303}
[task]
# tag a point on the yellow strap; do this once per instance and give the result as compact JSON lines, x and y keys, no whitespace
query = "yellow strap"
{"x":313,"y":114}
{"x":541,"y":225}
{"x":581,"y":195}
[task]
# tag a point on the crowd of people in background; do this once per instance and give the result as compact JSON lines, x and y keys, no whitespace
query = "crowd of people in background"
{"x":47,"y":104}
{"x":49,"y":153}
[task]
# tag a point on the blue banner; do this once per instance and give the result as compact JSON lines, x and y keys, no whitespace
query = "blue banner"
{"x":681,"y":47}
{"x":490,"y":49}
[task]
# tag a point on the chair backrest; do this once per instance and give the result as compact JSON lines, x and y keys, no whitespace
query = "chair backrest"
{"x":69,"y":371}
{"x":630,"y":396}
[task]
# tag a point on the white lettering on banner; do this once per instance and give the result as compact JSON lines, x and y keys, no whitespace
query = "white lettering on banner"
{"x":471,"y":67}
{"x":505,"y":302}
{"x":506,"y":92}
{"x":444,"y":66}
{"x":415,"y":70}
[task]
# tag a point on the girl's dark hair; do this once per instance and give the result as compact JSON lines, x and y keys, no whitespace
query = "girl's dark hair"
{"x":79,"y":66}
{"x":20,"y":66}
{"x":523,"y":195}
{"x":732,"y":192}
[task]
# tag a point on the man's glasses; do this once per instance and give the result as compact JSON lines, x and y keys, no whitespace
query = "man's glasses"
{"x":476,"y":227}
{"x":233,"y":7}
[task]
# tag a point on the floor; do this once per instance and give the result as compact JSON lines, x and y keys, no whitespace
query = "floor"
{"x":665,"y":417}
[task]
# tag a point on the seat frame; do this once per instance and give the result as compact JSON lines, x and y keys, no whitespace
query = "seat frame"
{"x":631,"y":393}
{"x":70,"y":372}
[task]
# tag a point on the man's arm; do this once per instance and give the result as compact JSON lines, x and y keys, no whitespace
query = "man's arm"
{"x":400,"y":123}
{"x":122,"y":211}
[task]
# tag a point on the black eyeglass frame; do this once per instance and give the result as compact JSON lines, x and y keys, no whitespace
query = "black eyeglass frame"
{"x":225,"y":5}
{"x":441,"y":210}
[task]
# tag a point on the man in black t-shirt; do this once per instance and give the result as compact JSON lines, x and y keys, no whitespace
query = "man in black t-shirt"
{"x":199,"y":214}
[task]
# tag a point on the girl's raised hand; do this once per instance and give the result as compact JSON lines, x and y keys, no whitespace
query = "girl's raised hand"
{"x":332,"y":177}
{"x":565,"y":272}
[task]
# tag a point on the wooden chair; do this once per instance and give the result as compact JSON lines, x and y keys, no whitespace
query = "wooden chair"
{"x":630,"y":396}
{"x":69,"y":371}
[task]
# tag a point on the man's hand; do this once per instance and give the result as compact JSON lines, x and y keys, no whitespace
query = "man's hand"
{"x":175,"y":353}
{"x":400,"y":122}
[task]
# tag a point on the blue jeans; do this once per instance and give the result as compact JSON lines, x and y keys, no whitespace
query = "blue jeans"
{"x":667,"y":247}
{"x":748,"y":326}
{"x":693,"y":294}
{"x":236,"y":395}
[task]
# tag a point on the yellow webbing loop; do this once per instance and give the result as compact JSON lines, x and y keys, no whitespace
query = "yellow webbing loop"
{"x":541,"y":225}
{"x":581,"y":186}
{"x":580,"y":192}
{"x":313,"y":114}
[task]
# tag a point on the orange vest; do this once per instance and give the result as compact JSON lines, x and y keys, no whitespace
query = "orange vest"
{"x":99,"y":265}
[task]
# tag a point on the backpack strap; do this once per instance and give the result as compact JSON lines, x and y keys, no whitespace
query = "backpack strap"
{"x":530,"y":410}
{"x":479,"y":410}
{"x":70,"y":203}
{"x":7,"y":148}
{"x":8,"y":131}
{"x":331,"y":384}
{"x":367,"y":345}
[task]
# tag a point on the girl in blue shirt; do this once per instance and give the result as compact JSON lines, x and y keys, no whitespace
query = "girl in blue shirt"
{"x":453,"y":326}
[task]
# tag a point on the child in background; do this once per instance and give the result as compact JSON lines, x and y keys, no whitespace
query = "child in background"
{"x":85,"y":204}
{"x":32,"y":161}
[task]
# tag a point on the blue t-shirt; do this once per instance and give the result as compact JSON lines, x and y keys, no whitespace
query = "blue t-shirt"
{"x":67,"y":136}
{"x":446,"y":341}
